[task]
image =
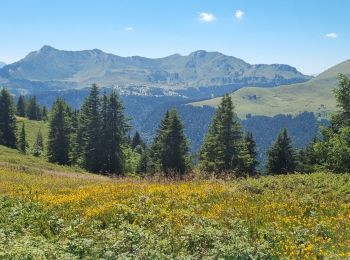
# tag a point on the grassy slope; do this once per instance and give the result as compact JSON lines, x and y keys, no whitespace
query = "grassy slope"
{"x":48,"y":211}
{"x":32,"y":127}
{"x":314,"y":96}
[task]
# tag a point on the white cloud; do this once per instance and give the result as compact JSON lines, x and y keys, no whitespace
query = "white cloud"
{"x":206,"y":17}
{"x":128,"y":29}
{"x":239,"y":14}
{"x":331,"y":35}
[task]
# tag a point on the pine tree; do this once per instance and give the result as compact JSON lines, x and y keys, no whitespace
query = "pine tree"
{"x":21,"y":106}
{"x":137,"y":141}
{"x":281,"y":156}
{"x":58,"y":147}
{"x":171,"y":145}
{"x":22,"y":143}
{"x":38,"y":146}
{"x":253,"y":153}
{"x":90,"y":125}
{"x":8,"y":126}
{"x":114,"y":134}
{"x":76,"y":139}
{"x":44,"y":113}
{"x":32,"y":109}
{"x":224,"y":148}
{"x":143,"y":164}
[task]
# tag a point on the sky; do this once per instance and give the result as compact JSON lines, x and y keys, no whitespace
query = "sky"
{"x":311,"y":35}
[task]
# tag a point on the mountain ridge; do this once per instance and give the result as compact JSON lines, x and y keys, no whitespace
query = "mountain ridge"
{"x":315,"y":95}
{"x":198,"y":69}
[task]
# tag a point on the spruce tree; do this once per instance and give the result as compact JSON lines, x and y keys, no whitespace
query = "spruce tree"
{"x":137,"y":141}
{"x":224,"y":148}
{"x":21,"y":106}
{"x":32,"y":109}
{"x":38,"y":146}
{"x":8,"y":126}
{"x":44,"y":114}
{"x":253,"y":153}
{"x":143,"y":164}
{"x":22,"y":143}
{"x":90,"y":125}
{"x":171,"y":145}
{"x":58,"y":146}
{"x":114,"y":134}
{"x":281,"y":156}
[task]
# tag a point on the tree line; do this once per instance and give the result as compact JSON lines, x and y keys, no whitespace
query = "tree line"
{"x":96,"y":138}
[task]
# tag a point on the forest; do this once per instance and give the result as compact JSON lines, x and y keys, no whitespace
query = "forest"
{"x":96,"y":138}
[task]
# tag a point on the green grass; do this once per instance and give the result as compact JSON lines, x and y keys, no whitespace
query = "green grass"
{"x":32,"y":127}
{"x":56,"y":213}
{"x":315,"y":95}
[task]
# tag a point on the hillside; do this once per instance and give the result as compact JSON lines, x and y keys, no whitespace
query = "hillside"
{"x":49,"y":68}
{"x":49,"y":211}
{"x":2,"y":64}
{"x":314,"y":95}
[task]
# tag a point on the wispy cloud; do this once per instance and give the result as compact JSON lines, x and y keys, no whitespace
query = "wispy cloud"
{"x":331,"y":35}
{"x":239,"y":14}
{"x":206,"y":17}
{"x":128,"y":29}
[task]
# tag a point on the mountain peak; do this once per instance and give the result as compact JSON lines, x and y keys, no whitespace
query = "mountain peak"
{"x":47,"y":48}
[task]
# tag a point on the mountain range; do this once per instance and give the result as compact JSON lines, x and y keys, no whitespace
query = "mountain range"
{"x":315,"y":95}
{"x":2,"y":64}
{"x":52,"y":69}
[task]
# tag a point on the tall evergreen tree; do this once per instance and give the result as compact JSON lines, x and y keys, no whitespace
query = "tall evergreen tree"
{"x":22,"y":142}
{"x":224,"y":148}
{"x":253,"y":153}
{"x":44,"y":114}
{"x":137,"y":141}
{"x":171,"y":145}
{"x":38,"y":146}
{"x":21,"y":106}
{"x":58,"y":146}
{"x":32,"y":109}
{"x":76,"y":139}
{"x":281,"y":156}
{"x":114,"y":134}
{"x":8,"y":127}
{"x":90,"y":118}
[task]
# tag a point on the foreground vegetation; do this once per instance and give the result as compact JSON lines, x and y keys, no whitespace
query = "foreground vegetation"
{"x":52,"y":213}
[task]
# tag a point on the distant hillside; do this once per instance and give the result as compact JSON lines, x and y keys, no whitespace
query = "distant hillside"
{"x":50,"y":68}
{"x":314,"y":95}
{"x":2,"y":64}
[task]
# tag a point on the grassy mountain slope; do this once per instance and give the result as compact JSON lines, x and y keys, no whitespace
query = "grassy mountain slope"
{"x":314,"y":95}
{"x":53,"y":212}
{"x":71,"y":69}
{"x":32,"y":127}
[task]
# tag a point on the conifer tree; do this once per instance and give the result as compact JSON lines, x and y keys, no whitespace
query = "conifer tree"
{"x":58,"y":146}
{"x":224,"y":148}
{"x":32,"y":109}
{"x":21,"y":106}
{"x":76,"y":139}
{"x":171,"y":145}
{"x":281,"y":156}
{"x":44,"y":114}
{"x":114,"y":134}
{"x":143,"y":164}
{"x":22,"y":143}
{"x":90,"y":126}
{"x":253,"y":153}
{"x":137,"y":141}
{"x":38,"y":146}
{"x":8,"y":126}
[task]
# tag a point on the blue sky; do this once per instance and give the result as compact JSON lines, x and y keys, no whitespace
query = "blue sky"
{"x":311,"y":35}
